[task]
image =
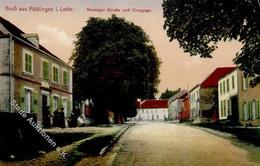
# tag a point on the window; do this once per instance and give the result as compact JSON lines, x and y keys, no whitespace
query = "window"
{"x":224,"y":110}
{"x":233,"y":82}
{"x":227,"y":85}
{"x":55,"y":74}
{"x":28,"y":62}
{"x":28,"y":100}
{"x":64,"y":105}
{"x":224,"y":86}
{"x":245,"y":111}
{"x":229,"y":107}
{"x":220,"y":87}
{"x":55,"y":103}
{"x":65,"y":78}
{"x":254,"y":109}
{"x":245,"y":82}
{"x":45,"y":70}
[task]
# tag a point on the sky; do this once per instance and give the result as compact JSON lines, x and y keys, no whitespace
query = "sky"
{"x":58,"y":21}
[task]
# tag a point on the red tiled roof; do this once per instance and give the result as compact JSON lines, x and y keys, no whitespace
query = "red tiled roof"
{"x":154,"y":104}
{"x":212,"y":79}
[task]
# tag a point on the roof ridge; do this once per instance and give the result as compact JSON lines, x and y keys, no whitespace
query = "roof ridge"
{"x":17,"y":32}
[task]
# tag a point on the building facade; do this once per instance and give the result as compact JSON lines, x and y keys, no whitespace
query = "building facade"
{"x":176,"y":106}
{"x":228,"y":96}
{"x":194,"y":102}
{"x":36,"y":79}
{"x":184,"y":115}
{"x":249,"y":101}
{"x":238,"y":101}
{"x":152,"y":110}
{"x":207,"y":97}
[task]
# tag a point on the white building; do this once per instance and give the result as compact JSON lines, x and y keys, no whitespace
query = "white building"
{"x":152,"y":110}
{"x":175,"y":104}
{"x":195,"y":102}
{"x":228,"y":96}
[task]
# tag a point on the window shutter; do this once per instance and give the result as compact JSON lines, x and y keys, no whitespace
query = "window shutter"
{"x":257,"y":108}
{"x":22,"y":101}
{"x":249,"y":109}
{"x":51,"y":103}
{"x":60,"y":78}
{"x":45,"y":70}
{"x":35,"y":102}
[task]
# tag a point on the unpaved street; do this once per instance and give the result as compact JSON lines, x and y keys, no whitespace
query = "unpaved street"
{"x":163,"y":144}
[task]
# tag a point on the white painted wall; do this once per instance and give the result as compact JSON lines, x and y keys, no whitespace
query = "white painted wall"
{"x":5,"y":80}
{"x":225,"y":94}
{"x":157,"y":114}
{"x":194,"y":102}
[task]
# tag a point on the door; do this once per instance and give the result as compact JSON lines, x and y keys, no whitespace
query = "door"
{"x":64,"y":105}
{"x":45,"y":112}
{"x":28,"y":101}
{"x":234,"y":109}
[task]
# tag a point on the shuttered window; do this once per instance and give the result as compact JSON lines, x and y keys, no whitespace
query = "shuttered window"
{"x":28,"y":63}
{"x":65,"y":78}
{"x":55,"y":74}
{"x":45,"y":70}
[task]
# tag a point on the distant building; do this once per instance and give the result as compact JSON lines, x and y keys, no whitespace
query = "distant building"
{"x":204,"y":104}
{"x":152,"y":110}
{"x":184,"y":115}
{"x":176,"y":105}
{"x":194,"y":102}
{"x":39,"y":81}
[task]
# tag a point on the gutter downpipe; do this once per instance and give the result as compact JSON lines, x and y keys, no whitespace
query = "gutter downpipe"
{"x":10,"y":73}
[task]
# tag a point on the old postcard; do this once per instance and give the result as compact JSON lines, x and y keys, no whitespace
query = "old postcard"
{"x":130,"y":82}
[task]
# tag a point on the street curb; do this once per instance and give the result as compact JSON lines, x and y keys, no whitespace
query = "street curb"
{"x":105,"y":149}
{"x":217,"y":132}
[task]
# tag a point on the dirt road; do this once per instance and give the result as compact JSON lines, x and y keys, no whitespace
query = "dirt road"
{"x":164,"y":144}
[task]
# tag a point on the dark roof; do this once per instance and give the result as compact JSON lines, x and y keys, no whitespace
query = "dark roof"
{"x":178,"y":95}
{"x":146,"y":104}
{"x":212,"y":79}
{"x":195,"y":87}
{"x":14,"y":30}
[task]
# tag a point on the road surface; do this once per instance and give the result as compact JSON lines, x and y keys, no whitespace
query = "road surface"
{"x":166,"y":144}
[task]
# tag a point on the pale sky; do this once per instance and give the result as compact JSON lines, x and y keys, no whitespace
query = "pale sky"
{"x":57,"y":30}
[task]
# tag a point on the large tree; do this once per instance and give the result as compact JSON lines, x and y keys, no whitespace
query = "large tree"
{"x":199,"y":25}
{"x":114,"y":64}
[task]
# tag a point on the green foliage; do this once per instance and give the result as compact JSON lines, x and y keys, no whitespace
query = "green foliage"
{"x":114,"y":63}
{"x":199,"y":25}
{"x":169,"y":93}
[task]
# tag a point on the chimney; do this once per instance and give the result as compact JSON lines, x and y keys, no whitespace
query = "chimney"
{"x":32,"y":37}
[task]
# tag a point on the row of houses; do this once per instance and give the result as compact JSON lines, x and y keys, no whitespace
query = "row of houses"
{"x":224,"y":96}
{"x":39,"y":81}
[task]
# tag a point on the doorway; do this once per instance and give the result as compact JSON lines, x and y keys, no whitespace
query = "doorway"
{"x":46,"y":122}
{"x":234,"y":109}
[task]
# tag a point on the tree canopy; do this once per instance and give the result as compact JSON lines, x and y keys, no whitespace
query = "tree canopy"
{"x":199,"y":25}
{"x":114,"y":64}
{"x":169,"y":93}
